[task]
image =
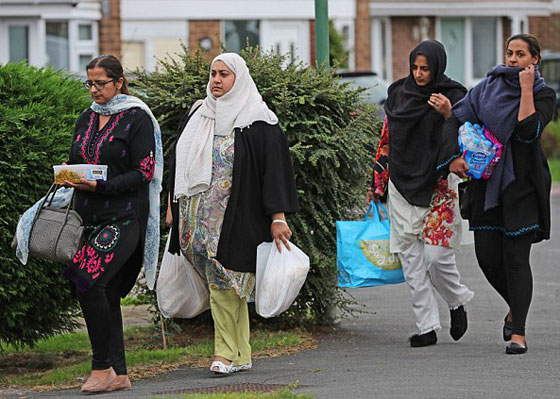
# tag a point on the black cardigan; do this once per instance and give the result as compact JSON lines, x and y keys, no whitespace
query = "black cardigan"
{"x":262,"y":184}
{"x":525,"y":204}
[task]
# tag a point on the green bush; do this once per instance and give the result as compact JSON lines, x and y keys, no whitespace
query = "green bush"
{"x":328,"y":127}
{"x":38,"y":110}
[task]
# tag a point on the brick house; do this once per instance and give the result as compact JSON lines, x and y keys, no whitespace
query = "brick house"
{"x":64,"y":34}
{"x":378,"y":34}
{"x":152,"y":30}
{"x":473,"y":32}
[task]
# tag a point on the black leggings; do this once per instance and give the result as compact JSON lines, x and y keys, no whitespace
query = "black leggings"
{"x":101,"y":306}
{"x":505,"y":263}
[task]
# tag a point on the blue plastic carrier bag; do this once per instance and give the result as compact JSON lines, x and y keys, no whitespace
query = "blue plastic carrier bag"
{"x":363,"y":256}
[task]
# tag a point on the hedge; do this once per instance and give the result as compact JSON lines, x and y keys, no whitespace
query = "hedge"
{"x":38,"y":110}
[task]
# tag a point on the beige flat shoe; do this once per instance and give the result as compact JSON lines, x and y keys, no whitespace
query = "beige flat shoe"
{"x":121,"y":383}
{"x":95,"y":384}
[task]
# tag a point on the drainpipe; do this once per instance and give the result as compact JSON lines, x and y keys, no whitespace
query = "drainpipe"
{"x":322,"y":33}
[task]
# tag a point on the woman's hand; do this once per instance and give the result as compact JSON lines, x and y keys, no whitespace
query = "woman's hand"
{"x":280,"y":231}
{"x":527,"y":102}
{"x":527,"y":78}
{"x":459,"y":167}
{"x":84,"y":185}
{"x":441,"y":104}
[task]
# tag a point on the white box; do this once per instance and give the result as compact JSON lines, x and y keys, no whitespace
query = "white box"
{"x":74,"y":173}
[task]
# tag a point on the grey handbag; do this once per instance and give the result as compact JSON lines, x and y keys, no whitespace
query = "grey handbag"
{"x":56,"y":233}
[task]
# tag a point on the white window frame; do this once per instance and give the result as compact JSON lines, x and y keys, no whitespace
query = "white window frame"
{"x":268,"y":28}
{"x":82,"y":47}
{"x":36,"y":30}
{"x":377,"y":57}
{"x":148,"y":31}
{"x":470,"y":80}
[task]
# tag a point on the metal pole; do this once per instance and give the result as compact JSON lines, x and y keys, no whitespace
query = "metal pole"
{"x":322,"y":33}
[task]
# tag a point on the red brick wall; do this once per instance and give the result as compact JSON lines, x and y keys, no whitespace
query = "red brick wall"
{"x":547,"y":29}
{"x":199,"y":29}
{"x":362,"y":44}
{"x":110,"y":30}
{"x":403,"y":41}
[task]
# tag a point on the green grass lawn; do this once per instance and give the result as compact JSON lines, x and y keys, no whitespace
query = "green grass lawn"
{"x":59,"y":361}
{"x":554,"y":165}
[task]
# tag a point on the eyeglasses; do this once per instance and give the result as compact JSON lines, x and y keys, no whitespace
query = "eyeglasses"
{"x":98,"y":85}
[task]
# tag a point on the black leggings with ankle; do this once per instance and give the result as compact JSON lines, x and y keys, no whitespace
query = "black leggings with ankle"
{"x":101,"y":306}
{"x":504,"y":261}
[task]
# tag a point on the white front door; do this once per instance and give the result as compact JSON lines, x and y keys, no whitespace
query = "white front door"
{"x":286,"y":37}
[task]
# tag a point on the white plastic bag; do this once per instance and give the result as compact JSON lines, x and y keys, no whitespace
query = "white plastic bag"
{"x":279,"y":277}
{"x":181,"y":292}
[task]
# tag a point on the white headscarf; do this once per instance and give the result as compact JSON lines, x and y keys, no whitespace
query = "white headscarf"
{"x":238,"y":108}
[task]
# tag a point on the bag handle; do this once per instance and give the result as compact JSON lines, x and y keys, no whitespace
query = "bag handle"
{"x":385,"y":211}
{"x":373,"y":207}
{"x":52,"y":190}
{"x":375,"y":212}
{"x":54,"y":187}
{"x":70,"y":205}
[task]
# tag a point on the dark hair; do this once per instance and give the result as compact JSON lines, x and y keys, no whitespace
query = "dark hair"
{"x":532,"y":43}
{"x":113,"y":68}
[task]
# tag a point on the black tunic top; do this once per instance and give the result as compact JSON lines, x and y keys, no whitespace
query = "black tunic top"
{"x":262,"y":184}
{"x":116,"y":214}
{"x":525,"y":204}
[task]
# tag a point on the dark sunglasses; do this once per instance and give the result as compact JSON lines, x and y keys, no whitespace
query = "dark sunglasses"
{"x":98,"y":85}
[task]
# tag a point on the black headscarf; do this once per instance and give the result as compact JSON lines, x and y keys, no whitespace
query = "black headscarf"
{"x":415,"y":128}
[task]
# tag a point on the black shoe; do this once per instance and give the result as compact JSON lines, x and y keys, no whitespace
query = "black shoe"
{"x":418,"y":340}
{"x":458,"y":323}
{"x":507,"y":331}
{"x":513,"y":348}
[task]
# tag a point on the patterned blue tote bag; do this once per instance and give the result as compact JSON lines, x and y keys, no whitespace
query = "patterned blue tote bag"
{"x":363,"y":256}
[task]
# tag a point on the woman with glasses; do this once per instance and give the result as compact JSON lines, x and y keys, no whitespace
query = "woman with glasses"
{"x":120,"y":214}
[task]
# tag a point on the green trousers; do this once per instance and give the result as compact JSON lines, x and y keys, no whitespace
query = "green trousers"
{"x":231,"y":325}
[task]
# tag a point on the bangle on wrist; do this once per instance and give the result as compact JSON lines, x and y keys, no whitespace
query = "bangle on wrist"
{"x":279,"y":221}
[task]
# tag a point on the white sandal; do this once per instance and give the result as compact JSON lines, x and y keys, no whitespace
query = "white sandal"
{"x":242,"y":367}
{"x":221,"y":367}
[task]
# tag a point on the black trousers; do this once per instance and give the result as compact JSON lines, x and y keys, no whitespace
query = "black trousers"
{"x":101,"y":307}
{"x":504,"y":260}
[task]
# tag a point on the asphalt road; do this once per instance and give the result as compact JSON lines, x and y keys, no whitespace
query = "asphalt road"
{"x":368,"y":357}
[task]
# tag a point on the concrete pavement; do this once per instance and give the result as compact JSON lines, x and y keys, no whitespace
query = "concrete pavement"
{"x":368,"y":357}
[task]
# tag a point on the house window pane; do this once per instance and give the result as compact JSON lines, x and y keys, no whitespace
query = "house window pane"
{"x":484,"y":45}
{"x":453,"y":38}
{"x":240,"y":33}
{"x":19,"y":43}
{"x":57,"y":45}
{"x":85,"y":32}
{"x":84,"y":60}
